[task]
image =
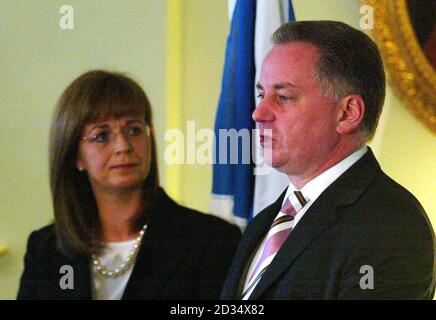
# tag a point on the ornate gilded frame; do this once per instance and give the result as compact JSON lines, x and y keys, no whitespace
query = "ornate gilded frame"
{"x":409,"y":72}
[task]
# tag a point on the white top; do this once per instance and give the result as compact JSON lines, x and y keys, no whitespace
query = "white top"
{"x":311,"y":190}
{"x":112,"y":256}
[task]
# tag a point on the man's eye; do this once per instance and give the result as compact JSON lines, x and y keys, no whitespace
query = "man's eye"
{"x":284,"y":98}
{"x":260,"y":96}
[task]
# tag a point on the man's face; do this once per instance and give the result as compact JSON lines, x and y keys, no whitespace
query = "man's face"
{"x":302,"y":121}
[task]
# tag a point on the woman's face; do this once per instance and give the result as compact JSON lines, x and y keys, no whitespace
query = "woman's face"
{"x":116,"y":154}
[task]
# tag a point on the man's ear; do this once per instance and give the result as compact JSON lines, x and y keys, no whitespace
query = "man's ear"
{"x":351,"y":110}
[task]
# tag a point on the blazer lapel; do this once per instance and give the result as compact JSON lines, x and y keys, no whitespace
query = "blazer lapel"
{"x":320,"y":216}
{"x":83,"y":289}
{"x":161,"y":250}
{"x":247,"y":248}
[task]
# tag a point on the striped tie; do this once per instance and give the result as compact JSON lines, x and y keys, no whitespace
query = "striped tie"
{"x":279,"y":231}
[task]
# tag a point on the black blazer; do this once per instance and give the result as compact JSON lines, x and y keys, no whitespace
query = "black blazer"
{"x":363,"y":219}
{"x":184,"y":255}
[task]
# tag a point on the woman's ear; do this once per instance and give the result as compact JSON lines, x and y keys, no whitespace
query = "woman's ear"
{"x":79,"y":164}
{"x":148,"y":130}
{"x":351,"y":113}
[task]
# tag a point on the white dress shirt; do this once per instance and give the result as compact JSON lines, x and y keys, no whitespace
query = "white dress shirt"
{"x":113,"y":255}
{"x":311,"y":190}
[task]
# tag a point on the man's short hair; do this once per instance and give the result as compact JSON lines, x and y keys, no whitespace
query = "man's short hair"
{"x":349,"y":63}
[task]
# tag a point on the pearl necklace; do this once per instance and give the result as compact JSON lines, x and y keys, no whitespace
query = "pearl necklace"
{"x":108,"y":273}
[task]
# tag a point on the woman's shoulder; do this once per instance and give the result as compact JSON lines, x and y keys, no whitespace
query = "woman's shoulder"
{"x":205,"y":224}
{"x":189,"y":223}
{"x":184,"y":219}
{"x":43,"y":236}
{"x":207,"y":219}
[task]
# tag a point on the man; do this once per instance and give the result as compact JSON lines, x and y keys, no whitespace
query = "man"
{"x":342,"y":229}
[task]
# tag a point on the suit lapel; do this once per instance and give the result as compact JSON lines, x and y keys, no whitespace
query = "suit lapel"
{"x":161,"y":250}
{"x":252,"y":237}
{"x":320,"y":216}
{"x":158,"y":258}
{"x":83,"y":290}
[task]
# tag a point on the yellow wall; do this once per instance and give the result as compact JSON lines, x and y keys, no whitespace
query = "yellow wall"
{"x":406,"y":150}
{"x":37,"y":61}
{"x":205,"y":29}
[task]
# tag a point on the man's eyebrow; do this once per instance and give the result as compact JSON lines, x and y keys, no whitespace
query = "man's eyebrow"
{"x":278,"y":86}
{"x":284,"y":85}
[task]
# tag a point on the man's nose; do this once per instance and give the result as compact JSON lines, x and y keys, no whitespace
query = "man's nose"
{"x":263,"y":112}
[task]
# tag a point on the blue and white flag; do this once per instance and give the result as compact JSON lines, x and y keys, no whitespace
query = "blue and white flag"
{"x":238,"y":194}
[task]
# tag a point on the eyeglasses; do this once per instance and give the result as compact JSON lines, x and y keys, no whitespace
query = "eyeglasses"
{"x":105,"y":135}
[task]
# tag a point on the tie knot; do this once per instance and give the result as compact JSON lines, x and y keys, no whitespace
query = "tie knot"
{"x":294,"y":203}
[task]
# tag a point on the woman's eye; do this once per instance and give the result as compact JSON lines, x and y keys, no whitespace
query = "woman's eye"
{"x":260,"y":95}
{"x":135,"y":131}
{"x":101,"y":137}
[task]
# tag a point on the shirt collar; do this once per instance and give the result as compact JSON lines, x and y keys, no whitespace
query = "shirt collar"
{"x":316,"y":186}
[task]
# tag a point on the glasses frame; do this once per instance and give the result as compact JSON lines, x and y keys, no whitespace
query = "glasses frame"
{"x":113,"y":133}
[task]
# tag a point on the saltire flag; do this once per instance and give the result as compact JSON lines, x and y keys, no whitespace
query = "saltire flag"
{"x":237,"y":193}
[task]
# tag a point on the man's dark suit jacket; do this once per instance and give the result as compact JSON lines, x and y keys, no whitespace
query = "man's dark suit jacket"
{"x":184,"y":255}
{"x":362,"y":219}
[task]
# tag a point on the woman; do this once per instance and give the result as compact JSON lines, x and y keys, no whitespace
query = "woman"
{"x":116,"y":234}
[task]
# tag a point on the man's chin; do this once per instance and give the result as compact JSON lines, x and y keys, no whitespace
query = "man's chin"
{"x":273,"y":163}
{"x":281,"y":166}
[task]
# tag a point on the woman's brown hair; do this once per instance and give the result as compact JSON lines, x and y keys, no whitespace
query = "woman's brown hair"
{"x":94,"y":95}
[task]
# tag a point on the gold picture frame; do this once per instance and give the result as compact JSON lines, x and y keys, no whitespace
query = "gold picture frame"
{"x":409,"y":72}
